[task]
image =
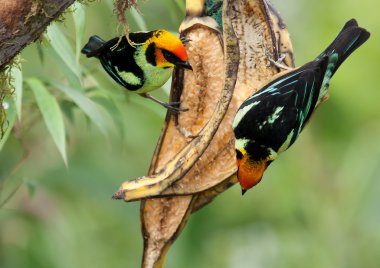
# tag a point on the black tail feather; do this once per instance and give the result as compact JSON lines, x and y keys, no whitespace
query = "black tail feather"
{"x":93,"y":47}
{"x":348,"y":40}
{"x":349,"y":24}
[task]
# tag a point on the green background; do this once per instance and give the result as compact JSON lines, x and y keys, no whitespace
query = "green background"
{"x":317,"y":206}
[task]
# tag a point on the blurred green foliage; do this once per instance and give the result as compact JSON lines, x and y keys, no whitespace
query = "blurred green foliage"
{"x":318,"y":205}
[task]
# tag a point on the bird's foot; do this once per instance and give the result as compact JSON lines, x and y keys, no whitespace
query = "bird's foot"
{"x":171,"y":106}
{"x":184,"y":40}
{"x":186,"y":133}
{"x":279,"y":62}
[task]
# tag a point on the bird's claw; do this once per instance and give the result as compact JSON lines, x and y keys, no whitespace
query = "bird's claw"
{"x":279,"y":62}
{"x":185,"y":40}
{"x":172,"y":108}
{"x":168,"y":105}
{"x":174,"y":103}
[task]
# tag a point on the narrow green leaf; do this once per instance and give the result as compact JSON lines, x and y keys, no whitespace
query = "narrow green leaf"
{"x":51,"y":114}
{"x":90,"y":108}
{"x":180,"y":4}
{"x":67,"y":73}
{"x":114,"y":111}
{"x":67,"y":107}
{"x":9,"y":193}
{"x":138,"y":19}
{"x":11,"y":119}
{"x":110,"y":5}
{"x":62,"y":47}
{"x":17,"y":84}
{"x":40,"y":52}
{"x":79,"y":16}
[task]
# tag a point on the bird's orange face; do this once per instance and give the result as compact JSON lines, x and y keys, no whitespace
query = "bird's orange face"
{"x":169,"y":50}
{"x":249,"y":172}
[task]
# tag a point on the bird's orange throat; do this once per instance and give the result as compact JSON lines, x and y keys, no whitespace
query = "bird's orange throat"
{"x":250,"y":172}
{"x":161,"y":61}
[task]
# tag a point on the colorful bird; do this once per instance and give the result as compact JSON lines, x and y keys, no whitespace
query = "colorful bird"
{"x":270,"y":121}
{"x":142,"y":67}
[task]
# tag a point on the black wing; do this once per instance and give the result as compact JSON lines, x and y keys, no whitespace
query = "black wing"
{"x":121,"y":59}
{"x":116,"y":60}
{"x":276,"y":114}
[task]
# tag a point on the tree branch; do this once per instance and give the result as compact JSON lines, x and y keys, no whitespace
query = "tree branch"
{"x":23,"y":21}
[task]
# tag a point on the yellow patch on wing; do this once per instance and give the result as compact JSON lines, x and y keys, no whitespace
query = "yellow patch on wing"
{"x":286,"y":144}
{"x":131,"y":78}
{"x":242,"y":112}
{"x":240,"y":144}
{"x":275,"y":115}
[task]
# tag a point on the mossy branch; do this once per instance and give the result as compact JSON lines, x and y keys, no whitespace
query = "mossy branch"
{"x":23,"y":21}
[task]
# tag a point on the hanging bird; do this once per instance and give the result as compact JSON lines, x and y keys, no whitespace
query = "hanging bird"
{"x":270,"y":121}
{"x":144,"y":67}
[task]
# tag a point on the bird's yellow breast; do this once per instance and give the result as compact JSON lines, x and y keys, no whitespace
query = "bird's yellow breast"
{"x":155,"y":76}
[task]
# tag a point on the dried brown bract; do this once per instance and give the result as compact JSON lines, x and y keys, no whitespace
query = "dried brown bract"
{"x":195,"y":157}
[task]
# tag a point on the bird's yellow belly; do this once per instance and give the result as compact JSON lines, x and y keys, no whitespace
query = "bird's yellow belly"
{"x":155,"y":78}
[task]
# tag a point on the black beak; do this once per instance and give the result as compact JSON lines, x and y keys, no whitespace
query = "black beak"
{"x":243,"y":191}
{"x":184,"y":64}
{"x":170,"y":57}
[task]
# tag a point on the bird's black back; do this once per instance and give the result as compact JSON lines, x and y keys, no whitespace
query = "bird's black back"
{"x":280,"y":110}
{"x":120,"y":58}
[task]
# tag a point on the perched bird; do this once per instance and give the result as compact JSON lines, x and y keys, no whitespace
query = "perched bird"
{"x":142,"y":67}
{"x":270,"y":121}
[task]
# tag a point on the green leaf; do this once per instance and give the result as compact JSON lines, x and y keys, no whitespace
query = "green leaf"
{"x":17,"y":84}
{"x":180,"y":4}
{"x":110,"y":5}
{"x":90,"y":108}
{"x":62,"y":47}
{"x":138,"y":19}
{"x":114,"y":111}
{"x":40,"y":52}
{"x":66,"y":71}
{"x":11,"y":119}
{"x":79,"y":16}
{"x":51,"y":114}
{"x":67,"y":107}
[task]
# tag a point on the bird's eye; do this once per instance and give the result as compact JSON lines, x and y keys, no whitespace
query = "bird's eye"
{"x":239,"y":155}
{"x":170,"y":57}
